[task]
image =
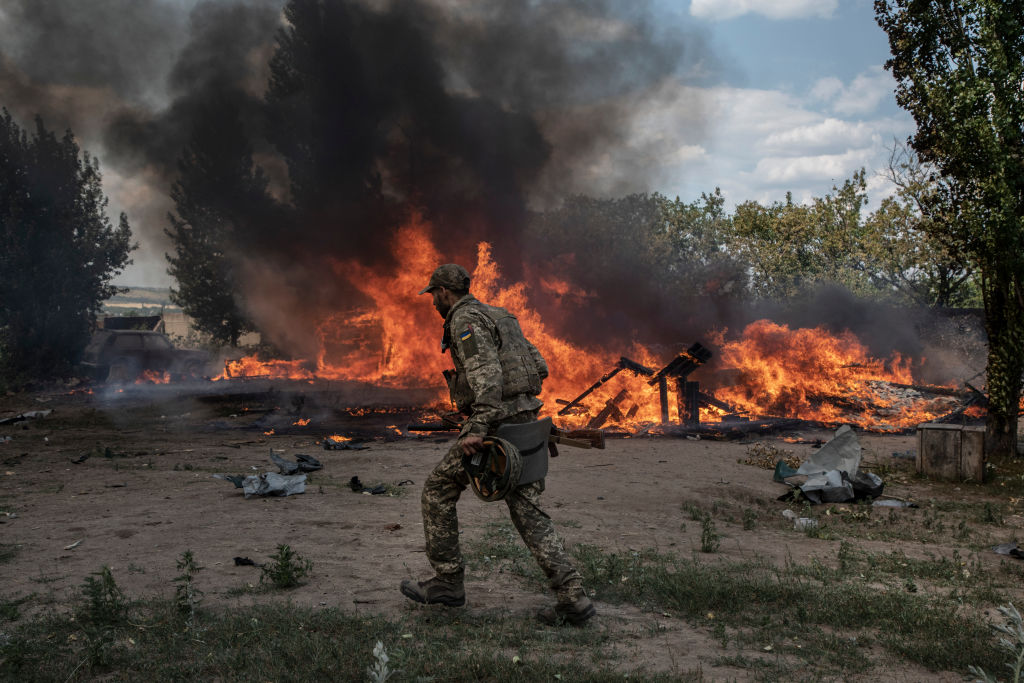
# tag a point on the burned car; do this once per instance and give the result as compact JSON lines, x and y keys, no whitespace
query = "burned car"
{"x":125,"y":355}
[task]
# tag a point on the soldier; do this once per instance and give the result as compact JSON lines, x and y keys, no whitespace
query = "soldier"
{"x":497,"y":379}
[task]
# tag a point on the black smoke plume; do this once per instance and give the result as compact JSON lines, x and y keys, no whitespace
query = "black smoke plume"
{"x":360,"y":112}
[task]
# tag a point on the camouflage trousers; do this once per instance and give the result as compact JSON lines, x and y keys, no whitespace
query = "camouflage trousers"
{"x":441,"y":527}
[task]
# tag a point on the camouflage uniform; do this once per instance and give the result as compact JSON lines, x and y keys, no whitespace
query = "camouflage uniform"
{"x":496,"y":381}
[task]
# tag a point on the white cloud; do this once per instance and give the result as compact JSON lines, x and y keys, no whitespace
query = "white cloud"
{"x":826,"y":88}
{"x":861,"y":96}
{"x":773,"y":9}
{"x":760,"y":144}
{"x":826,"y":169}
{"x":827,"y":134}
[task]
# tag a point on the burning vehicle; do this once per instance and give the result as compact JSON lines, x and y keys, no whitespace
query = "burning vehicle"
{"x":130,"y":355}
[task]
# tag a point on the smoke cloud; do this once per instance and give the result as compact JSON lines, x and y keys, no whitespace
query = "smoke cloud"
{"x":470,"y":114}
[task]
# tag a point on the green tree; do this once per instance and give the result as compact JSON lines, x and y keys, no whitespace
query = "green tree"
{"x":696,"y":239}
{"x":909,"y":258}
{"x":58,"y":251}
{"x":776,"y":242}
{"x":790,"y":247}
{"x":219,"y":197}
{"x":959,"y":67}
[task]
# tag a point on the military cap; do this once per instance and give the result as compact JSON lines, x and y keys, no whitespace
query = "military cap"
{"x":451,"y":276}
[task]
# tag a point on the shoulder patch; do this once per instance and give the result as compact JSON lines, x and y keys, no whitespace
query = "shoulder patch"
{"x":467,"y":343}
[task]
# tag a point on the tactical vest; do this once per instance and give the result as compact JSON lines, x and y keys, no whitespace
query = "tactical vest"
{"x":519,"y":372}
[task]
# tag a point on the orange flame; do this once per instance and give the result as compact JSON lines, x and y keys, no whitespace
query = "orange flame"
{"x":805,"y":373}
{"x":153,"y":377}
{"x":816,"y":375}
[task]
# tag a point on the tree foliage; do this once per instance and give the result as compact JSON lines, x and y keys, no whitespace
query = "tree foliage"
{"x":914,"y":258}
{"x":885,"y":254}
{"x":792,"y":247}
{"x":220,"y":193}
{"x":698,"y":240}
{"x":58,"y":251}
{"x":959,"y":67}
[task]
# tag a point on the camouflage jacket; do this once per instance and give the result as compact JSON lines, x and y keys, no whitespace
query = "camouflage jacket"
{"x":498,"y":372}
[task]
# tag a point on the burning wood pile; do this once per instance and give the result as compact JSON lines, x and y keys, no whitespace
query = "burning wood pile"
{"x":880,"y":405}
{"x":689,"y":397}
{"x":763,"y":376}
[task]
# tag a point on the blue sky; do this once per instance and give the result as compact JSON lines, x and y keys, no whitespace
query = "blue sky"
{"x":795,"y":99}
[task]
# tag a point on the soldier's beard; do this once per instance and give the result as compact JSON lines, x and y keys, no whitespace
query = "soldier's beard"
{"x":442,"y":309}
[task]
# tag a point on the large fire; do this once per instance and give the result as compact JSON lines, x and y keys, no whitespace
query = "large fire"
{"x":816,"y":375}
{"x":775,"y":371}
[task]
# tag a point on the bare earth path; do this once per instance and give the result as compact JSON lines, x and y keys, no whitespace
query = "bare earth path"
{"x":146,"y":493}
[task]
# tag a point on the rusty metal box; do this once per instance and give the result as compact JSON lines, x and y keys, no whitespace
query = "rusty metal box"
{"x":951,"y":452}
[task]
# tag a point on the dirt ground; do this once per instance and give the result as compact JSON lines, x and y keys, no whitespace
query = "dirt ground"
{"x":146,"y":493}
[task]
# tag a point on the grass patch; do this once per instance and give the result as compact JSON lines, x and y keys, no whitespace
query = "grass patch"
{"x":814,"y":604}
{"x":501,"y":549}
{"x":8,"y":551}
{"x":10,"y":608}
{"x":287,"y":642}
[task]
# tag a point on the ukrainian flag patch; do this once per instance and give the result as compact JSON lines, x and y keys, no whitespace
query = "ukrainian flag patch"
{"x":467,"y":343}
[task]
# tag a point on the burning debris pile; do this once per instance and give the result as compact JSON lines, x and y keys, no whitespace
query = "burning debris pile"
{"x":689,"y":398}
{"x":761,"y":393}
{"x":768,"y":376}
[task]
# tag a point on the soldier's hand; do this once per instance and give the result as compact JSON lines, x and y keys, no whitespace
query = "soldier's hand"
{"x":470,"y":444}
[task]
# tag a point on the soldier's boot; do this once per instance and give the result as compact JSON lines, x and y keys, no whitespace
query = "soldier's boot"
{"x":435,"y":591}
{"x":575,"y":611}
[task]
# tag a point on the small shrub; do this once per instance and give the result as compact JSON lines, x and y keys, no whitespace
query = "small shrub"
{"x":102,"y":609}
{"x":749,"y":519}
{"x":186,"y":596}
{"x":103,"y":602}
{"x":709,"y":538}
{"x":696,"y":514}
{"x":286,"y":568}
{"x":991,"y":514}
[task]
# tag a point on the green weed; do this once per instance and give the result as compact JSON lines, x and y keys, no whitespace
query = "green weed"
{"x":186,"y":596}
{"x":749,"y":519}
{"x":8,"y":551}
{"x":709,"y":538}
{"x":286,"y":568}
{"x":102,"y":602}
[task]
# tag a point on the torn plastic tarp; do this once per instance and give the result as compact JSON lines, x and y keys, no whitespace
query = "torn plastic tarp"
{"x":827,"y":487}
{"x":833,"y":474}
{"x":841,"y":453}
{"x":267,"y":483}
{"x":306,"y":463}
{"x":1010,"y":549}
{"x":893,"y":503}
